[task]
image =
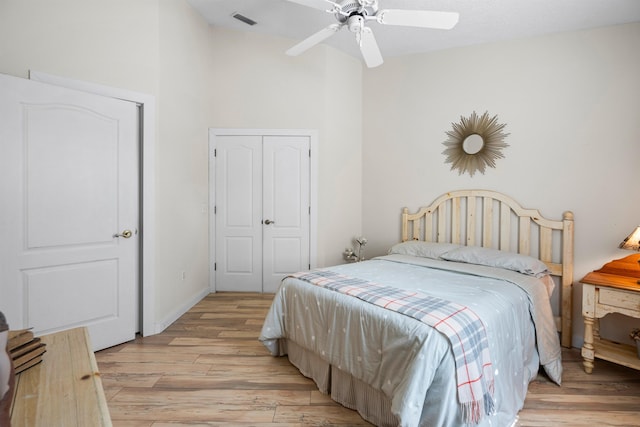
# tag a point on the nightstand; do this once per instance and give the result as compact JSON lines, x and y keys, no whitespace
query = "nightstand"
{"x":609,"y":290}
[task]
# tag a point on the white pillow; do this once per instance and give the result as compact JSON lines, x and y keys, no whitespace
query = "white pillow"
{"x":496,"y":258}
{"x":422,"y":249}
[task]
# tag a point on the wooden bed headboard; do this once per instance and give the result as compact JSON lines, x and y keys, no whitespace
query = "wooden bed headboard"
{"x":493,"y":220}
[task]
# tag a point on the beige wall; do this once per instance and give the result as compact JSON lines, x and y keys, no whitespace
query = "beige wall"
{"x":254,"y":85}
{"x":570,"y":103}
{"x":184,"y":111}
{"x":114,"y":43}
{"x":201,"y":78}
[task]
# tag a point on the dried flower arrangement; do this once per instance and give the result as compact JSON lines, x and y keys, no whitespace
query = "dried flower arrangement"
{"x":351,"y":255}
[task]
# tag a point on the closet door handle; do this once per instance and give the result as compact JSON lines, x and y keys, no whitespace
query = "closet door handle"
{"x":268,"y":221}
{"x":126,"y":234}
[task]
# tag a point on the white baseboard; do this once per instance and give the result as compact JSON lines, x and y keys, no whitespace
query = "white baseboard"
{"x":175,"y":315}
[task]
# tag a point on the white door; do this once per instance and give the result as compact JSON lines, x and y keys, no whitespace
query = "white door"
{"x":285,"y":205}
{"x":68,"y":185}
{"x":261,"y":210}
{"x":238,"y":213}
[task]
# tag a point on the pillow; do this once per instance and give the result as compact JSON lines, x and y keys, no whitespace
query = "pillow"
{"x":496,"y":258}
{"x":422,"y":249}
{"x":549,"y":284}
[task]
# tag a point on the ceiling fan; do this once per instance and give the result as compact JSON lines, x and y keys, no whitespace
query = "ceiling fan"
{"x":353,"y":14}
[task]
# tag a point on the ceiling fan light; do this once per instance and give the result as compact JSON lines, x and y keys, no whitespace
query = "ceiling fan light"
{"x":355,"y":23}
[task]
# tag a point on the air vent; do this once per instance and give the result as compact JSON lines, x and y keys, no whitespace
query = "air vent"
{"x":243,"y":18}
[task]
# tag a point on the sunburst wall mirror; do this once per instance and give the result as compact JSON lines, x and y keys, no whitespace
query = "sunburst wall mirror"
{"x":475,"y":143}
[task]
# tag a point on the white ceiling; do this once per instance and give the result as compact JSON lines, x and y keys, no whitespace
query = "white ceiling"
{"x":481,"y":21}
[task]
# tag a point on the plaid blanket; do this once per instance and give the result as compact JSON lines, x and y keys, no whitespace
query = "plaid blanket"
{"x":463,"y":328}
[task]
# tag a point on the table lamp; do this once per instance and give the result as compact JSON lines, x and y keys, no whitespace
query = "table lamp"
{"x":632,"y":243}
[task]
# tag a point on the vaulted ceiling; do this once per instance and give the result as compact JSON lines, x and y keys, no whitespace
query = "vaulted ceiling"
{"x":480,"y":21}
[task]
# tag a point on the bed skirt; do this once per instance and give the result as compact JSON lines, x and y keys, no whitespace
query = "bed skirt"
{"x":372,"y":404}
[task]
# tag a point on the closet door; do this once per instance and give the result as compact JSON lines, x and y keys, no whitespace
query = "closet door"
{"x":286,"y":206}
{"x":238,"y":213}
{"x":261,"y":210}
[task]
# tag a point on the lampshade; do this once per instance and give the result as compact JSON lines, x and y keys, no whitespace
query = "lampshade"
{"x":632,"y":241}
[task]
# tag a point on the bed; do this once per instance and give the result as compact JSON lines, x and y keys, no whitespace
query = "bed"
{"x":449,"y":328}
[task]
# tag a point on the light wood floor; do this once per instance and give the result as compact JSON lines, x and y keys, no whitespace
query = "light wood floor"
{"x":208,"y":369}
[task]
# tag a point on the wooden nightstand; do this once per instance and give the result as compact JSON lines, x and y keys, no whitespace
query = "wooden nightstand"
{"x":608,"y":291}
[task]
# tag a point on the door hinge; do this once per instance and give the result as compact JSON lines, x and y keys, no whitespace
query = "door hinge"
{"x":215,"y":209}
{"x":309,"y":210}
{"x":309,"y":152}
{"x":309,"y":266}
{"x":215,"y":266}
{"x":215,"y":152}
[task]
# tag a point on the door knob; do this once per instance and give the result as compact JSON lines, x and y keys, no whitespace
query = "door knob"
{"x":268,"y":221}
{"x":126,"y":234}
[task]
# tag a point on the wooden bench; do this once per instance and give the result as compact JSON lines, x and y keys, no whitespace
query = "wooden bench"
{"x":63,"y":390}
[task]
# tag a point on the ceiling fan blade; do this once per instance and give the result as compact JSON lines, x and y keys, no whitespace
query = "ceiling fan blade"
{"x":418,"y":18}
{"x":316,"y":4}
{"x":369,"y":48}
{"x":313,"y":40}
